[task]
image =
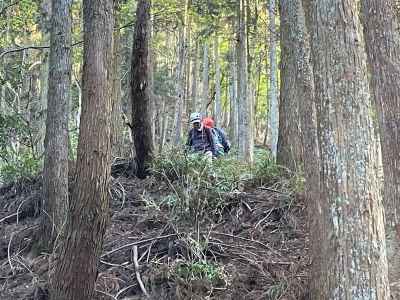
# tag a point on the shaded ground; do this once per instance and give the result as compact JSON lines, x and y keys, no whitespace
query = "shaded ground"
{"x":254,"y":248}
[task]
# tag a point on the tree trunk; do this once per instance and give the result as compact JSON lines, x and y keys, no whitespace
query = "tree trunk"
{"x":218,"y":115}
{"x":180,"y":78}
{"x":117,"y":123}
{"x":351,"y":259}
{"x":193,"y":103}
{"x":233,"y":119}
{"x":205,"y":79}
{"x":303,"y":84}
{"x":46,"y":28}
{"x":244,"y":107}
{"x":55,"y":170}
{"x":179,"y":87}
{"x":289,"y":152}
{"x":76,"y":264}
{"x":140,"y":92}
{"x":273,"y":119}
{"x":382,"y":42}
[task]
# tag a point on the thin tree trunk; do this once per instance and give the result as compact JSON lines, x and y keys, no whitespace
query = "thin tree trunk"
{"x":218,"y":115}
{"x":46,"y":24}
{"x":179,"y":87}
{"x":117,"y":124}
{"x":244,"y":106}
{"x":289,"y":151}
{"x":55,"y":170}
{"x":205,"y":78}
{"x":351,"y":260}
{"x":180,"y":84}
{"x":140,"y":92}
{"x":76,"y":260}
{"x":193,"y":106}
{"x":233,"y":130}
{"x":273,"y":120}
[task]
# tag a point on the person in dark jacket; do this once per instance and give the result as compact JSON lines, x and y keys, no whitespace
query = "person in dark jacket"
{"x":200,"y":138}
{"x":221,"y":142}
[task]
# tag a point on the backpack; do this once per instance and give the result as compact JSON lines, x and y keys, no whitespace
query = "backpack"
{"x":220,"y":142}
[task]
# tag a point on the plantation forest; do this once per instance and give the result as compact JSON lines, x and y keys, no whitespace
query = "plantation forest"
{"x":199,"y":149}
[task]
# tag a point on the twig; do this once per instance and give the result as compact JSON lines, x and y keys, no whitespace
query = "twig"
{"x":138,"y":243}
{"x":124,"y":290}
{"x":135,"y":260}
{"x":9,"y":253}
{"x":18,"y":212}
{"x":31,"y":47}
{"x":106,"y":294}
{"x":3,"y":9}
{"x":273,"y":190}
{"x":263,"y":219}
{"x":249,"y":240}
{"x":10,"y":216}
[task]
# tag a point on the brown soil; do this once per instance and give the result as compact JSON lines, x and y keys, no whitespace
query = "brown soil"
{"x":257,"y":245}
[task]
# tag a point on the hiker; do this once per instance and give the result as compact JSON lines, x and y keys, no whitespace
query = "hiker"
{"x":222,"y":144}
{"x":200,"y":138}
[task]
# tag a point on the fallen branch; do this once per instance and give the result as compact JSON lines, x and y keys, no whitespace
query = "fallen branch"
{"x":135,"y":260}
{"x":138,"y":243}
{"x":249,"y":240}
{"x":273,"y":190}
{"x":124,"y":290}
{"x":10,"y":216}
{"x":106,"y":294}
{"x":9,"y":253}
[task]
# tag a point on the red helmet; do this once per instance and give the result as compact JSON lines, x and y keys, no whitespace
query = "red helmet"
{"x":208,"y":122}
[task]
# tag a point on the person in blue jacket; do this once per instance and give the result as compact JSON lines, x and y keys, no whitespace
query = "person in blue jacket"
{"x":200,"y":138}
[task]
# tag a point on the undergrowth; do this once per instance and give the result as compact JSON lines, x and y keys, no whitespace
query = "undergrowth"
{"x":199,"y":185}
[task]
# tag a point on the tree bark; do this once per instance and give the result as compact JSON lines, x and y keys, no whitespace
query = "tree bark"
{"x":193,"y":102}
{"x":382,"y":40}
{"x":140,"y":93}
{"x":351,"y":259}
{"x":205,"y":79}
{"x":76,"y":260}
{"x":117,"y":122}
{"x":218,"y":114}
{"x":244,"y":107}
{"x":273,"y":119}
{"x":55,"y":169}
{"x":293,"y":64}
{"x":233,"y":101}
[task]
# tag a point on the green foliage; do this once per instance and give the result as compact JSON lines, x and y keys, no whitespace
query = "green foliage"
{"x":25,"y":165}
{"x":265,"y":170}
{"x":199,"y":184}
{"x":17,"y":152}
{"x":276,"y":291}
{"x":202,"y":270}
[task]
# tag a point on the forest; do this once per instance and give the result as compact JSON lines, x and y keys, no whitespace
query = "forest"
{"x":199,"y":149}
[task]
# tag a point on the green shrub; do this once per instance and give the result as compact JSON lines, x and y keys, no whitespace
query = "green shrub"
{"x":24,"y":166}
{"x":189,"y":271}
{"x":198,"y":183}
{"x":265,"y":170}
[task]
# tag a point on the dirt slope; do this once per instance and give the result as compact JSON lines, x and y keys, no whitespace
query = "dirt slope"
{"x":255,"y":247}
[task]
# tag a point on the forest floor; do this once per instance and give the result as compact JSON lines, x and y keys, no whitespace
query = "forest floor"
{"x":253,"y":247}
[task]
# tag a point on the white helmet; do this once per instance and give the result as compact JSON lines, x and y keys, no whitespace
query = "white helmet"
{"x":195,"y":117}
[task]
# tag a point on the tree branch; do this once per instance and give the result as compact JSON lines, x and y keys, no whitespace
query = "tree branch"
{"x":32,"y":47}
{"x":3,"y":10}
